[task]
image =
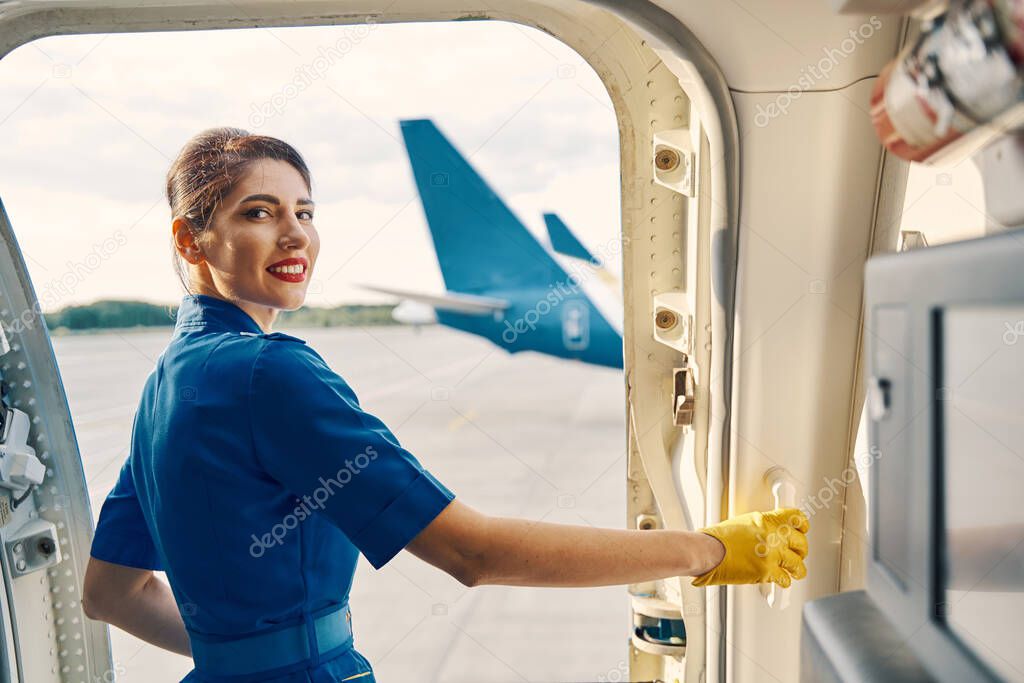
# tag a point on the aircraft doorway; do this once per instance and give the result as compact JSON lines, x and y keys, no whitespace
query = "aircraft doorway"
{"x":524,"y":434}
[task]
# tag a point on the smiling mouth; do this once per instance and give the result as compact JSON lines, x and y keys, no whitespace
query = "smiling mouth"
{"x":290,"y":273}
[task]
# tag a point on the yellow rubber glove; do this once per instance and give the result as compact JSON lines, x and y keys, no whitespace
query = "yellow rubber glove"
{"x":759,"y":547}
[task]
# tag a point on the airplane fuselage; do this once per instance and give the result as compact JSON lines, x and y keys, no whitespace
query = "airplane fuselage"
{"x":557,"y":320}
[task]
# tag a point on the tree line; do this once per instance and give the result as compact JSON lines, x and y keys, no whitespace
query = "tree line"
{"x":117,"y":314}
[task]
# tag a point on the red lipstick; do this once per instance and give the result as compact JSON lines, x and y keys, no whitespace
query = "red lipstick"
{"x":286,"y":276}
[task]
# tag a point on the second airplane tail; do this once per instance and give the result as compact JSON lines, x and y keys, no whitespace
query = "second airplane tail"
{"x":481,"y":246}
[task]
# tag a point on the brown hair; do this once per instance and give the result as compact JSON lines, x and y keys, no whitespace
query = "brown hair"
{"x":206,"y":171}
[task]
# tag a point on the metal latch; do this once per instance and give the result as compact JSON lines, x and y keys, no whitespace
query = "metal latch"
{"x":879,"y":398}
{"x":682,"y":396}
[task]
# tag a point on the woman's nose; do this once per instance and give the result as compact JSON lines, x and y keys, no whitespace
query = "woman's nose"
{"x":294,"y":232}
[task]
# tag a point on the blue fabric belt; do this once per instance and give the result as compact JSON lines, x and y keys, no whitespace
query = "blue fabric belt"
{"x":282,"y":647}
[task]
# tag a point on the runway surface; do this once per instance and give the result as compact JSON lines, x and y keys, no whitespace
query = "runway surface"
{"x":526,"y":436}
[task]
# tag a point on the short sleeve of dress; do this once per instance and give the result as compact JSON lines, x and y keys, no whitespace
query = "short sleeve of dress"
{"x":122,"y":536}
{"x":313,"y":437}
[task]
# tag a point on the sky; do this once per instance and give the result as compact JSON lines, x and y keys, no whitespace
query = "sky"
{"x":91,"y":124}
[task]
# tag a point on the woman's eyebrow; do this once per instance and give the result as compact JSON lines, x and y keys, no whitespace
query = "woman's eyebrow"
{"x":274,"y":200}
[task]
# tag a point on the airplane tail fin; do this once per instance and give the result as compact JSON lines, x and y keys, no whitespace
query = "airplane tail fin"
{"x":565,"y":242}
{"x":481,"y":246}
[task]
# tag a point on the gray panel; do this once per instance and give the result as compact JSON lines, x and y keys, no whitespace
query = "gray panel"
{"x":982,"y":473}
{"x":980,"y":275}
{"x":845,"y":639}
{"x":890,"y":415}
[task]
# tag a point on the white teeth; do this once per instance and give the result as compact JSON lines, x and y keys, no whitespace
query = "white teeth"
{"x":287,"y":269}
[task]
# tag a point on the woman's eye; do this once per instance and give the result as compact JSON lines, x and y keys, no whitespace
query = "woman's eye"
{"x":308,"y":214}
{"x":252,"y":212}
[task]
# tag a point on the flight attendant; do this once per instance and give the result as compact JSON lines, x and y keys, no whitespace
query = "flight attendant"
{"x":255,"y":479}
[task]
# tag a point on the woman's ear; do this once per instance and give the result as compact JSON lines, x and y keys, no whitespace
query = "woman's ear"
{"x":185,"y":241}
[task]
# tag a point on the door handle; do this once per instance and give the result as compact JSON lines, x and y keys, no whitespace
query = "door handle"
{"x":783,"y":495}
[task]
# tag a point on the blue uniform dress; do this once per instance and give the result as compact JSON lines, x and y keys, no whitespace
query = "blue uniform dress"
{"x":254,"y":480}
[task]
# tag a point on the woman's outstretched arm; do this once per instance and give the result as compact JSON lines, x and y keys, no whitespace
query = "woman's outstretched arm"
{"x":479,"y":549}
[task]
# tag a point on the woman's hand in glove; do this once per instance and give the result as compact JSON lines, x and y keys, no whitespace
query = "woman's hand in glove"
{"x":759,"y":547}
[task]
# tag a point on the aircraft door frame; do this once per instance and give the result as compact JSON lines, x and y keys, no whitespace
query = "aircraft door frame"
{"x":46,"y":528}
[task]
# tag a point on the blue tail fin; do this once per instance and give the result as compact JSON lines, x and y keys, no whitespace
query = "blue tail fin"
{"x":481,"y":246}
{"x":564,"y":242}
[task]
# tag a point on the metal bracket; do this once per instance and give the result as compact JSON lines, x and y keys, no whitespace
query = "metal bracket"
{"x":682,"y":396}
{"x":911,"y":239}
{"x":674,"y":160}
{"x":646,"y":522}
{"x":32,"y":547}
{"x":673,"y":324}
